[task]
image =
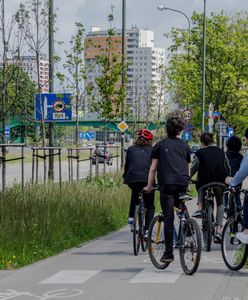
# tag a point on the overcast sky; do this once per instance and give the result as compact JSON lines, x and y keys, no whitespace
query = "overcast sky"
{"x":142,"y":13}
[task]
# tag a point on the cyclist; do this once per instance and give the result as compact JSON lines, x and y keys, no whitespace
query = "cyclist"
{"x":211,"y":165}
{"x":234,"y":181}
{"x":136,"y":169}
{"x":234,"y":156}
{"x":170,"y":159}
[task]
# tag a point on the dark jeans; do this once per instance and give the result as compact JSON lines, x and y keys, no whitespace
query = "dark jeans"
{"x":169,"y":197}
{"x":136,"y":188}
{"x":245,"y":212}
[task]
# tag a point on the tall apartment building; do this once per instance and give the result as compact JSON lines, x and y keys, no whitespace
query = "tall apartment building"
{"x":28,"y":64}
{"x":143,"y":61}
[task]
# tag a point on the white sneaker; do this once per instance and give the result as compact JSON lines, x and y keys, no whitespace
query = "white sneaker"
{"x":242,"y":237}
{"x":130,"y":222}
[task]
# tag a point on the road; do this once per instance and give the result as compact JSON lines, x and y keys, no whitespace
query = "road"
{"x":13,"y":171}
{"x":106,"y":269}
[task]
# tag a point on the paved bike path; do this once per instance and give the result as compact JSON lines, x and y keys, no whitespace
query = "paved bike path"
{"x":106,"y":269}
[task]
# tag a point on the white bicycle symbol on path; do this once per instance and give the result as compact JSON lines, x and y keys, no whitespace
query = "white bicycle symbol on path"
{"x":54,"y":294}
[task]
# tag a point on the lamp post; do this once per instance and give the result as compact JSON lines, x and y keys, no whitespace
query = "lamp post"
{"x":203,"y":65}
{"x":161,"y":8}
{"x":51,"y":85}
{"x":123,"y":73}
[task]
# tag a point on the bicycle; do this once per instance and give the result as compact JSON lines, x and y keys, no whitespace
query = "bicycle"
{"x":188,"y":240}
{"x":234,"y":253}
{"x":208,"y":224}
{"x":139,"y":226}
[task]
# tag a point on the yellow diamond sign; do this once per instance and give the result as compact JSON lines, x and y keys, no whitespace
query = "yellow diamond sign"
{"x":122,"y":126}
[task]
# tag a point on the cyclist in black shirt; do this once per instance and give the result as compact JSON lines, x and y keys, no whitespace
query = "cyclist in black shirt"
{"x":170,"y":159}
{"x":137,"y":165}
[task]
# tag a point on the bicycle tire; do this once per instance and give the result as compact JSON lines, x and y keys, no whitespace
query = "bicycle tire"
{"x":155,"y":242}
{"x":207,"y":231}
{"x":143,"y":241}
{"x":233,"y":252}
{"x":136,"y":235}
{"x":190,"y":240}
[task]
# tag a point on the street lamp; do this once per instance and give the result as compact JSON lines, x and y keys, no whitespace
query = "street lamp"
{"x":161,"y":8}
{"x":123,"y":72}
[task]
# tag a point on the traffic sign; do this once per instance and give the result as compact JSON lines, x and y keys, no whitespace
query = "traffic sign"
{"x":187,"y":114}
{"x":230,"y":131}
{"x":53,"y":107}
{"x":188,"y":127}
{"x":87,"y":135}
{"x":122,"y":126}
{"x":7,"y":132}
{"x":187,"y":136}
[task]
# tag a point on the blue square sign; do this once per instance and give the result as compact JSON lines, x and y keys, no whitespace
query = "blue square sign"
{"x":53,"y":107}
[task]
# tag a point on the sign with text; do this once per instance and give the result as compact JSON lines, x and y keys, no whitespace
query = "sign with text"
{"x":53,"y":107}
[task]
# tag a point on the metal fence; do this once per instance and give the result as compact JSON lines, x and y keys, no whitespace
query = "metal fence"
{"x":71,"y":167}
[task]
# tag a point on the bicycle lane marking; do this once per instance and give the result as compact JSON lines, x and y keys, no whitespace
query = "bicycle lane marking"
{"x":156,"y":276}
{"x":70,"y":277}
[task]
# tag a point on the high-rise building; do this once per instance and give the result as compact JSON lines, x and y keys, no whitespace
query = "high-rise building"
{"x":143,"y":60}
{"x":28,"y":64}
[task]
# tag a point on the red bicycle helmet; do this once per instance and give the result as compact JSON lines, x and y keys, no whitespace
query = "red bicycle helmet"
{"x":145,"y":134}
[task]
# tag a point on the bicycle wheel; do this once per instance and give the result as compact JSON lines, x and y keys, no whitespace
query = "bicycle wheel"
{"x":190,"y":248}
{"x":155,"y":242}
{"x":234,"y":253}
{"x":143,"y":241}
{"x":136,"y":232}
{"x":207,"y":228}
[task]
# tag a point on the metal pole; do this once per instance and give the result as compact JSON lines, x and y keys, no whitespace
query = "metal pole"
{"x":123,"y":72}
{"x":203,"y":66}
{"x":51,"y":85}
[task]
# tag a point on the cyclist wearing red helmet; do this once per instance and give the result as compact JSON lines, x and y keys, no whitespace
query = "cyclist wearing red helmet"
{"x":137,"y":165}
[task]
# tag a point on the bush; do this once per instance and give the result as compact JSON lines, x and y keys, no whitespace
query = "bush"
{"x":46,"y":220}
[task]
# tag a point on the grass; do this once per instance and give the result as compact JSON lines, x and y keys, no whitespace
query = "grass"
{"x":46,"y":220}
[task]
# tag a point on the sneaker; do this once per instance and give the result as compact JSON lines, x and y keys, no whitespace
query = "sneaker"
{"x":242,"y":237}
{"x":167,"y":258}
{"x":130,"y":223}
{"x":146,"y":235}
{"x":197,"y":214}
{"x":217,"y":238}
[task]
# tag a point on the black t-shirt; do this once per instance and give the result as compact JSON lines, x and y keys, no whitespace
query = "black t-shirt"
{"x":137,"y":165}
{"x":173,"y":157}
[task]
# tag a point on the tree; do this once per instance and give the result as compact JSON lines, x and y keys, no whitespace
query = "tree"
{"x":74,"y":65}
{"x":105,"y":91}
{"x":226,"y":66}
{"x":33,"y":19}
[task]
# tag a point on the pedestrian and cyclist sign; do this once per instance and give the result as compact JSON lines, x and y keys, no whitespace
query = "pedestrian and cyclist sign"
{"x":53,"y":107}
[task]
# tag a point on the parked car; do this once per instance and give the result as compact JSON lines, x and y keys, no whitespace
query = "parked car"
{"x":103,"y":155}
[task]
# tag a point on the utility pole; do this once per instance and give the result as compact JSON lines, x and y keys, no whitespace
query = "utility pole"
{"x":123,"y":74}
{"x":203,"y":65}
{"x":51,"y":85}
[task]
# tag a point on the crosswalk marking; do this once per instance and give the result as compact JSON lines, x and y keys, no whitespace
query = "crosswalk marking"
{"x":155,"y":276}
{"x":70,"y":277}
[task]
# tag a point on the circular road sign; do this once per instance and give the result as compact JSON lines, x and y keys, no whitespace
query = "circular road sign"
{"x":59,"y":106}
{"x":187,"y":114}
